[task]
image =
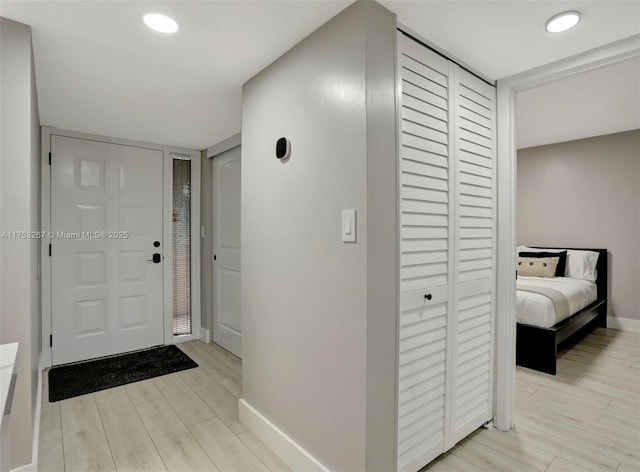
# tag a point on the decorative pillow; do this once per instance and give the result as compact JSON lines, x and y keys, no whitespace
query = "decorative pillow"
{"x":581,"y":265}
{"x":562,"y":259}
{"x":537,"y":266}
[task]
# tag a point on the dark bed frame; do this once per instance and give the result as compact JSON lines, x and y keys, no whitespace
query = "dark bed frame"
{"x":536,"y":348}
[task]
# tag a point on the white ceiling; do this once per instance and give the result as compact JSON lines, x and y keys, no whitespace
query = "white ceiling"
{"x":100,"y":70}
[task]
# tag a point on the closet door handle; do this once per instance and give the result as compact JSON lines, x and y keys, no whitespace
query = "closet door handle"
{"x":428,"y":296}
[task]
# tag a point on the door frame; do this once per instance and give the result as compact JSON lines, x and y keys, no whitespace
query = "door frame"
{"x":508,"y":87}
{"x":45,"y":267}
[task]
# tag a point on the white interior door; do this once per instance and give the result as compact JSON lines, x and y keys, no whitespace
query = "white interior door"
{"x":227,"y":329}
{"x":447,"y":254}
{"x":106,"y":214}
{"x":426,"y":254}
{"x":475,"y":221}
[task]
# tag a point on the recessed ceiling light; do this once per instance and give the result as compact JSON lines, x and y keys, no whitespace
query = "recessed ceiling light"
{"x":160,"y":23}
{"x":562,"y":21}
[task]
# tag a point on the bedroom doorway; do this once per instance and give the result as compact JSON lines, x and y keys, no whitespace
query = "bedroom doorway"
{"x":507,"y":185}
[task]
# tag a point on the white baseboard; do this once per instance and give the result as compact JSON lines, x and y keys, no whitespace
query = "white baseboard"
{"x":624,"y":324}
{"x":205,"y":335}
{"x":282,"y":445}
{"x":33,"y":467}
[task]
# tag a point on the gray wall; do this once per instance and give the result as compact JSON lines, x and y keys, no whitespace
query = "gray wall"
{"x":586,"y":193}
{"x":319,"y":315}
{"x":19,"y":211}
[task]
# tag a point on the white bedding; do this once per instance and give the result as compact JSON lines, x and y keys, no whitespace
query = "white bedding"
{"x":538,"y":310}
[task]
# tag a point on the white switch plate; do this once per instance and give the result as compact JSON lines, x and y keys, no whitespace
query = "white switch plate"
{"x":349,"y":225}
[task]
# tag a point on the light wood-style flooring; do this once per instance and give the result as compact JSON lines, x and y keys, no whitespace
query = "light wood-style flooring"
{"x":187,"y":421}
{"x":586,"y":418}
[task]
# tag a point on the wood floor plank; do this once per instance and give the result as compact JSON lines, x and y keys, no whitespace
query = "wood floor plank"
{"x":109,"y":391}
{"x":583,"y":418}
{"x":561,"y":465}
{"x":143,"y":391}
{"x":451,"y":463}
{"x":590,"y":459}
{"x":597,"y":415}
{"x":181,"y":452}
{"x":178,"y":448}
{"x":616,"y":447}
{"x":490,"y":460}
{"x":263,"y":453}
{"x":626,"y":468}
{"x":184,"y":400}
{"x":625,"y":408}
{"x":228,"y":452}
{"x":50,"y":415}
{"x":84,"y":440}
{"x":569,"y":390}
{"x":49,"y":412}
{"x":228,"y":359}
{"x":50,"y":450}
{"x":217,"y":398}
{"x":511,"y":446}
{"x":159,"y":417}
{"x":233,"y":385}
{"x":609,"y":390}
{"x":593,"y":355}
{"x":628,"y":381}
{"x":208,"y":362}
{"x":549,"y":394}
{"x":131,"y":445}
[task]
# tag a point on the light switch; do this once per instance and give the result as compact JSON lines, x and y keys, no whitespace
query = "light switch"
{"x":349,"y":225}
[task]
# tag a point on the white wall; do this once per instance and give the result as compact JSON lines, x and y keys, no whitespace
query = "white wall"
{"x":19,"y":211}
{"x":586,"y":193}
{"x":319,"y":315}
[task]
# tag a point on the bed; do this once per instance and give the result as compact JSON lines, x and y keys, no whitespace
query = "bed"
{"x":540,"y":328}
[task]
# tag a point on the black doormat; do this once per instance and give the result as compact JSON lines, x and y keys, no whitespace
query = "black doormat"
{"x":72,"y":380}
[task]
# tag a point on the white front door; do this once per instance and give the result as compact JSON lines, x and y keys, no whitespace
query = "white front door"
{"x":106,"y":219}
{"x":227,"y":330}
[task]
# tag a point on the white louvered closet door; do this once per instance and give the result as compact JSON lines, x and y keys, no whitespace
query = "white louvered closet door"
{"x":474,"y":131}
{"x":426,"y":257}
{"x":447,"y":254}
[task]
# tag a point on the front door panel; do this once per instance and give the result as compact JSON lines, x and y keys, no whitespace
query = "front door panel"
{"x":106,"y":213}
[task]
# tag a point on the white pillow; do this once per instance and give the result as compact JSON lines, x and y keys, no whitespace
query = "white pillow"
{"x":581,"y":265}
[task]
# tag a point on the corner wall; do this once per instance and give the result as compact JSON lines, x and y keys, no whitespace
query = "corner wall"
{"x":20,"y":211}
{"x":319,"y":315}
{"x":586,"y":193}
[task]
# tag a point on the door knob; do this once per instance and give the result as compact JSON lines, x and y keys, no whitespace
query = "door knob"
{"x":428,"y":296}
{"x":157,"y":258}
